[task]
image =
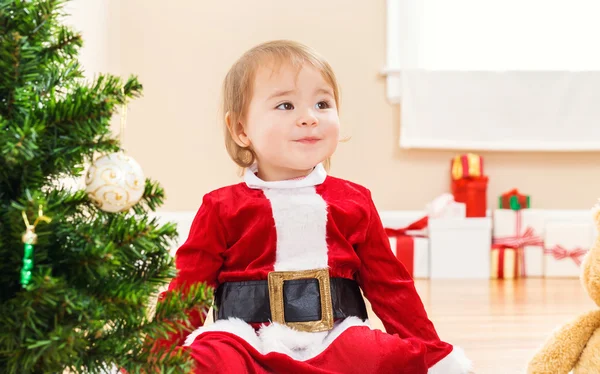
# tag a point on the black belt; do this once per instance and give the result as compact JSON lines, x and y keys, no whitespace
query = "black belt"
{"x":249,"y":300}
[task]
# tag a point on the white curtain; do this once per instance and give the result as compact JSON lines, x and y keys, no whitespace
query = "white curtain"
{"x":496,"y":75}
{"x":501,"y":111}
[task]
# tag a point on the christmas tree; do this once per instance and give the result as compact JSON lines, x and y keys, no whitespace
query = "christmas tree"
{"x":78,"y":279}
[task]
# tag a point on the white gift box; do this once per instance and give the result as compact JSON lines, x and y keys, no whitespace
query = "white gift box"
{"x":523,"y":229}
{"x":400,"y":219}
{"x":444,"y":206}
{"x":460,"y":248}
{"x":565,"y":245}
{"x":421,"y":256}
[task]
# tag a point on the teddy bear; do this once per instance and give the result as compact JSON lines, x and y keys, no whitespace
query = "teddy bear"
{"x":575,"y":347}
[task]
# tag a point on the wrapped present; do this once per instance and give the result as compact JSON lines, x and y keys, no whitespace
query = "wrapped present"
{"x":459,"y":248}
{"x":467,"y":166}
{"x":505,"y":262}
{"x":411,"y":246}
{"x":517,"y":243}
{"x":514,"y":200}
{"x":444,"y":206}
{"x":566,"y":243}
{"x":472,"y":192}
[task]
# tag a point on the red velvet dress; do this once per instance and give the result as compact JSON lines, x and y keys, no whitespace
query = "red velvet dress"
{"x":244,"y":231}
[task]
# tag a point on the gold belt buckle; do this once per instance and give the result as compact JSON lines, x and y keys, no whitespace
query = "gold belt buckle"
{"x":275,"y":281}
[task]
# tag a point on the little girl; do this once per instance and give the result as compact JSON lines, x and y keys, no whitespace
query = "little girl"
{"x":289,"y":249}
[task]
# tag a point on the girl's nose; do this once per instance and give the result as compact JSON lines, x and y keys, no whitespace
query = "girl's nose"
{"x":308,"y":119}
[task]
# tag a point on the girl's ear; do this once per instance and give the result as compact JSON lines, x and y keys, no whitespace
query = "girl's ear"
{"x":237,"y":132}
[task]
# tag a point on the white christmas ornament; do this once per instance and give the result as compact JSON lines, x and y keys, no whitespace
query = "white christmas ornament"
{"x":115,"y":182}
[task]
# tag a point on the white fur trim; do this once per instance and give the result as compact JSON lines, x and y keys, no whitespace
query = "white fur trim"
{"x":455,"y":363}
{"x":302,"y":346}
{"x":317,"y":176}
{"x":299,"y":345}
{"x":232,"y":325}
{"x":301,"y":222}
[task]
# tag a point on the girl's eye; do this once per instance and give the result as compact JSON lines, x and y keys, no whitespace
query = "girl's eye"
{"x":285,"y":106}
{"x":323,"y":105}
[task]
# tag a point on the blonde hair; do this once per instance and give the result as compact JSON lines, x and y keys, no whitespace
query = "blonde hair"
{"x":239,"y":81}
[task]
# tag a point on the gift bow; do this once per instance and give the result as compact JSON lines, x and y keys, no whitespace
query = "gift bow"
{"x":559,"y":252}
{"x":516,"y":242}
{"x":421,"y":224}
{"x":513,"y":192}
{"x":405,"y":241}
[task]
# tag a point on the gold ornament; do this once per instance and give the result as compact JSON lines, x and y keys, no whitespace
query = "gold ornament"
{"x":115,"y":182}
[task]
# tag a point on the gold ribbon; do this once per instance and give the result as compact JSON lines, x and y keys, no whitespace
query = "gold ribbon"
{"x":456,"y":168}
{"x":474,"y":162}
{"x":473,"y":166}
{"x":123,"y":116}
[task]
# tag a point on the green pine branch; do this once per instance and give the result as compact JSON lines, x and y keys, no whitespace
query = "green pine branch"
{"x":153,"y":197}
{"x":96,"y":275}
{"x":66,"y":132}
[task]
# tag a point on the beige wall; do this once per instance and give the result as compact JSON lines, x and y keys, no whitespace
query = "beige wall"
{"x":182,"y":49}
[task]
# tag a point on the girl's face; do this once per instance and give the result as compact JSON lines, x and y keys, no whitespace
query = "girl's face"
{"x":292,"y":121}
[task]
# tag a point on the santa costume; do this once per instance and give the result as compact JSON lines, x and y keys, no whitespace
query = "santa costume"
{"x":320,"y":238}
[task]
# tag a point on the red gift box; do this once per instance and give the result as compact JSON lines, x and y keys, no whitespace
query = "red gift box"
{"x":513,"y":200}
{"x":472,"y":192}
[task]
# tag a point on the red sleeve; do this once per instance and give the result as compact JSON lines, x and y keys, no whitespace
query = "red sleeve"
{"x":391,"y":291}
{"x":199,"y":259}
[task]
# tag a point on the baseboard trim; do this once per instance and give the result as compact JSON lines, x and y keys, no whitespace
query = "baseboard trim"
{"x":390,"y":218}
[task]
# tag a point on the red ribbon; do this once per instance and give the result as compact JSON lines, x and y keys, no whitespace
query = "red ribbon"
{"x":405,"y":245}
{"x":559,"y":252}
{"x":501,"y":253}
{"x":516,"y":242}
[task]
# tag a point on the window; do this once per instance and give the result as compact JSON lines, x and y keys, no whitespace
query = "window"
{"x":495,"y":75}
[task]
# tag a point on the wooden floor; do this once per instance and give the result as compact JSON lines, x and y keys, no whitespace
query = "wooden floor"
{"x":500,"y":324}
